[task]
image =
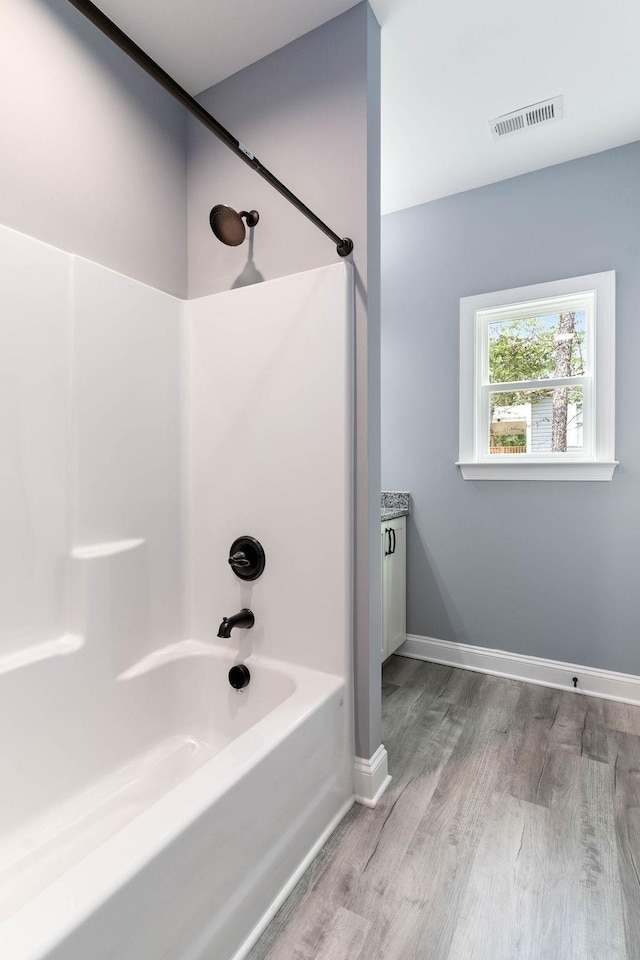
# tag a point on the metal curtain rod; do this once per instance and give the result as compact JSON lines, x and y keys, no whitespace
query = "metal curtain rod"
{"x":344,"y":245}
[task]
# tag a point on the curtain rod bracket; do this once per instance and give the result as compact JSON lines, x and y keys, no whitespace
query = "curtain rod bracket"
{"x":345,"y":247}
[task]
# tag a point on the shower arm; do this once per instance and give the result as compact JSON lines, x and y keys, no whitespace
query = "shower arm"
{"x":344,"y":245}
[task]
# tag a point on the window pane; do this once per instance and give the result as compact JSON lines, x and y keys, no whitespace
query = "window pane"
{"x":536,"y":421}
{"x":533,"y":348}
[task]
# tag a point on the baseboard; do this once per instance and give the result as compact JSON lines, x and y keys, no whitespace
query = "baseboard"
{"x":607,"y":684}
{"x":371,"y":777}
{"x":270,"y":913}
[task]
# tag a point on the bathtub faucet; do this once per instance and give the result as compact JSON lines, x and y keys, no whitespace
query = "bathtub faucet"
{"x":244,"y":619}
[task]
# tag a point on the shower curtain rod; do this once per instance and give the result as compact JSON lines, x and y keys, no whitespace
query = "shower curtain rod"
{"x":344,"y":245}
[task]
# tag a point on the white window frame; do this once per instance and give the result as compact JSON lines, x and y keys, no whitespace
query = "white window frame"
{"x":594,"y":293}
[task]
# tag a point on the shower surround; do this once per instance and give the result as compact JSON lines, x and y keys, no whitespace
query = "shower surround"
{"x":149,"y":809}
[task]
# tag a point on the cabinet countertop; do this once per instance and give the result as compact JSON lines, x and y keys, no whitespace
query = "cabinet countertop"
{"x":392,"y":513}
{"x":394,"y":504}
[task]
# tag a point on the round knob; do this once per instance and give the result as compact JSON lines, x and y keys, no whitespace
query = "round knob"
{"x":246,"y":558}
{"x":239,"y":676}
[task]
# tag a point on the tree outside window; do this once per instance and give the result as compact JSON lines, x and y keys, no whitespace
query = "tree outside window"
{"x":535,"y":348}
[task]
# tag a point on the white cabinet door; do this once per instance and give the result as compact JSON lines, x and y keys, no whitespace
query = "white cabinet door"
{"x":394,"y":585}
{"x":385,"y":602}
{"x":397,"y":586}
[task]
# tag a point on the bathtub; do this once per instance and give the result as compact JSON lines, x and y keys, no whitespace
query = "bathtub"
{"x":175,"y":821}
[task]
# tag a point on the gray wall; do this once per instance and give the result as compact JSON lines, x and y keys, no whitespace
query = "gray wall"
{"x":310,"y":113}
{"x":93,"y":156}
{"x":547,"y":569}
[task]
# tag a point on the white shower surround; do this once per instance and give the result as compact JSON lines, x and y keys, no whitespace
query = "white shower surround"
{"x":151,"y":810}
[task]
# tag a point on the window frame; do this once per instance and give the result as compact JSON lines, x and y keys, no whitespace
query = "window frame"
{"x":596,"y":293}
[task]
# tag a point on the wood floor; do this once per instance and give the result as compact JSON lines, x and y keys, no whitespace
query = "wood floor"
{"x":511,"y":830}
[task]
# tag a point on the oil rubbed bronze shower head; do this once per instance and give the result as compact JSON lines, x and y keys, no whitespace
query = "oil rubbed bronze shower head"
{"x":228,"y":225}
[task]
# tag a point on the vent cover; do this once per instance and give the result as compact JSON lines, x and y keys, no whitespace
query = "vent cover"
{"x":532,"y":116}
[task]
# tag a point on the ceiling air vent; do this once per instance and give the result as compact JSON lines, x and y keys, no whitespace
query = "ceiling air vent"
{"x":532,"y":116}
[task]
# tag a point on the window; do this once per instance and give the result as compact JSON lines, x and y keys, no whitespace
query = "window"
{"x":537,"y":382}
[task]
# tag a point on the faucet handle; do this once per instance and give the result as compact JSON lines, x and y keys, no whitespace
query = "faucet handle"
{"x":239,"y":559}
{"x":246,"y":558}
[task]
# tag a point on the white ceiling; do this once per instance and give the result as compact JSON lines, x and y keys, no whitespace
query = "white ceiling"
{"x":447,"y":68}
{"x":200,"y":42}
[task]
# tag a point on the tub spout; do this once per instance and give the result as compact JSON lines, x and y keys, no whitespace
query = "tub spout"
{"x":244,"y":620}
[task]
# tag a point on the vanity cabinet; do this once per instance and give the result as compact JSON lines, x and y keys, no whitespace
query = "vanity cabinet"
{"x":394,"y":585}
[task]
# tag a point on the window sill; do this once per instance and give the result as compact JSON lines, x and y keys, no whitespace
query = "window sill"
{"x":540,"y":470}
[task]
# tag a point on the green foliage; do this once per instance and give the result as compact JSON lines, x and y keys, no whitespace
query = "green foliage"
{"x":525,"y":349}
{"x":510,"y":440}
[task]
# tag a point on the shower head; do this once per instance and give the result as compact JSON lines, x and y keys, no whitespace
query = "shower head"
{"x":228,"y":226}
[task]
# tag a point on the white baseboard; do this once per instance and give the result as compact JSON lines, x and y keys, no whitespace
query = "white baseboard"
{"x":371,"y":777}
{"x":624,"y":687}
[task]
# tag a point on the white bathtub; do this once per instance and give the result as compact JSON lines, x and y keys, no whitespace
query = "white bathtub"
{"x":147,"y":810}
{"x":172,"y":830}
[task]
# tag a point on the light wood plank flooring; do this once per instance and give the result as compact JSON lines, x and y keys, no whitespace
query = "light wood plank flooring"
{"x":511,"y":831}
